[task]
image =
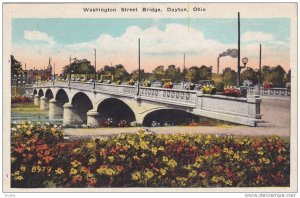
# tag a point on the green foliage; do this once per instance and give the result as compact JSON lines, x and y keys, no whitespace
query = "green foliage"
{"x":79,"y":67}
{"x":249,"y":74}
{"x":229,"y":77}
{"x":16,"y":66}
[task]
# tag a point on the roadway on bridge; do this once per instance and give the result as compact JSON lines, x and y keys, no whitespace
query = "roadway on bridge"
{"x":275,"y":111}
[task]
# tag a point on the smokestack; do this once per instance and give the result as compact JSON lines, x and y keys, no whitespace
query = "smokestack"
{"x":218,"y":65}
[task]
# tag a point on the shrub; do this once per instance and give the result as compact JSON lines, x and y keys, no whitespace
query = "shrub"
{"x":147,"y":83}
{"x":20,"y":99}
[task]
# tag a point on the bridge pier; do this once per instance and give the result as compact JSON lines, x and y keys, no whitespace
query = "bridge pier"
{"x":55,"y":111}
{"x":92,"y":118}
{"x":69,"y":115}
{"x":36,"y":101}
{"x":44,"y":104}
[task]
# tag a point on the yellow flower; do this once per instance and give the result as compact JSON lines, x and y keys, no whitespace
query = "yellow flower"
{"x":90,"y":145}
{"x":33,"y":169}
{"x":122,"y":156}
{"x":143,"y":155}
{"x":92,"y":161}
{"x":149,"y":174}
{"x":59,"y":171}
{"x":17,"y":173}
{"x":144,"y":145}
{"x":225,"y":150}
{"x":75,"y":163}
{"x":207,"y":142}
{"x":162,"y":171}
{"x":135,"y":157}
{"x":136,"y":176}
{"x":102,"y":169}
{"x":23,"y":168}
{"x":193,"y":173}
{"x":161,"y":148}
{"x":165,"y":159}
{"x":53,"y":130}
{"x":20,"y":177}
{"x":260,"y":152}
{"x":28,"y":132}
{"x":236,"y":156}
{"x":154,"y":150}
{"x":197,"y":165}
{"x":111,"y":158}
{"x":73,"y":171}
{"x":172,"y":163}
{"x":245,"y":152}
{"x":228,"y":182}
{"x":109,"y":172}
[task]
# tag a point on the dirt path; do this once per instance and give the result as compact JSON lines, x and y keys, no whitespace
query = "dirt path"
{"x":276,"y":113}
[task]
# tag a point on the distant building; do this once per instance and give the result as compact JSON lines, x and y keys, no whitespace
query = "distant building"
{"x":34,"y":75}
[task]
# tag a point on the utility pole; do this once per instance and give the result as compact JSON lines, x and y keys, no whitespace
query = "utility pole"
{"x":138,"y":85}
{"x":239,"y":53}
{"x":95,"y":76}
{"x":183,"y":71}
{"x":70,"y":72}
{"x":259,"y":71}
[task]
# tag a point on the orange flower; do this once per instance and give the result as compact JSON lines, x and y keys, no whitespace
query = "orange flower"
{"x":47,"y":152}
{"x":102,"y":152}
{"x":92,"y":181}
{"x":76,"y":179}
{"x":75,"y":163}
{"x":84,"y":169}
{"x":120,"y":168}
{"x":19,"y":150}
{"x":48,"y":159}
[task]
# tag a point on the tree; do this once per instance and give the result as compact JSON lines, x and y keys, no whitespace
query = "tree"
{"x":121,"y":73}
{"x":229,"y":77}
{"x":135,"y":75}
{"x":249,"y":74}
{"x":193,"y":74}
{"x":205,"y":73}
{"x":173,"y":73}
{"x":16,"y":66}
{"x":289,"y":76}
{"x":79,"y":67}
{"x":278,"y":74}
{"x":159,"y":72}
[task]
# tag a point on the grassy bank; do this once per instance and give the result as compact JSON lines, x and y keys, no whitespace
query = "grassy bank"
{"x":24,"y":107}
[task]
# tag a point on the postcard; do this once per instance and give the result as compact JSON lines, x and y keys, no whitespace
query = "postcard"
{"x":150,"y":97}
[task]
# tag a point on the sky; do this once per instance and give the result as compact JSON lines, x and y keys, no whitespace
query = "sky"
{"x":163,"y":41}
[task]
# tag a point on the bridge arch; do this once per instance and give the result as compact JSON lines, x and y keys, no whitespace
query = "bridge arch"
{"x":35,"y":92}
{"x":168,"y":116}
{"x":115,"y":109}
{"x":41,"y":93}
{"x":81,"y":105}
{"x":49,"y":94}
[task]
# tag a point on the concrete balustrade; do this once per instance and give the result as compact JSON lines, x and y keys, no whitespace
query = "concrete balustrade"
{"x":55,"y":111}
{"x":44,"y":103}
{"x":36,"y":101}
{"x":92,"y":118}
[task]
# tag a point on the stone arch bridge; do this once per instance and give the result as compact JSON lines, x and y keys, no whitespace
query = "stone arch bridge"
{"x":89,"y":103}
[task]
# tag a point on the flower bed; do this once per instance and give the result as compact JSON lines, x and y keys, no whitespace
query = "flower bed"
{"x":232,"y":91}
{"x":168,"y":85}
{"x":208,"y":89}
{"x":20,"y":99}
{"x":41,"y":157}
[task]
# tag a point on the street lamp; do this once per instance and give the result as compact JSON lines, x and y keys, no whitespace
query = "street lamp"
{"x":245,"y":61}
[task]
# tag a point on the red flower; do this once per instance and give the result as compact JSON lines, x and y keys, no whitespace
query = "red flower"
{"x":120,"y":168}
{"x":92,"y":181}
{"x":48,"y":159}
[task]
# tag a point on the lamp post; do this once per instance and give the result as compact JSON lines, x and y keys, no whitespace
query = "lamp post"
{"x":244,"y":61}
{"x":138,"y":85}
{"x":70,"y":70}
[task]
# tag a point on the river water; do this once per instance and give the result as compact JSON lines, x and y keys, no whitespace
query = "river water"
{"x":36,"y":116}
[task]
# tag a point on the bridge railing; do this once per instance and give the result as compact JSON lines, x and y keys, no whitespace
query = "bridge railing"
{"x":170,"y":96}
{"x":268,"y":92}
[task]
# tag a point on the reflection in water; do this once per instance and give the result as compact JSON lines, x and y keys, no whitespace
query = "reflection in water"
{"x":33,"y":116}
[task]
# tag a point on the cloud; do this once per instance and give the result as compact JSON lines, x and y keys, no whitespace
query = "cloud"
{"x":257,"y":36}
{"x":38,"y":36}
